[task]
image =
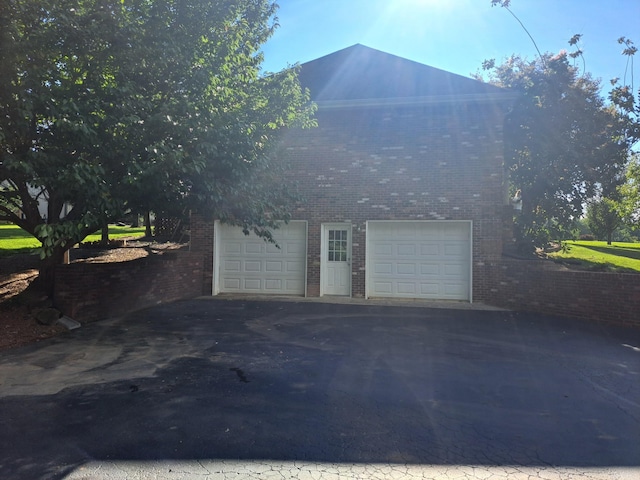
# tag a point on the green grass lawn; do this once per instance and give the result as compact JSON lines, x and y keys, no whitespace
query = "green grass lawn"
{"x":15,"y":240}
{"x":619,"y":256}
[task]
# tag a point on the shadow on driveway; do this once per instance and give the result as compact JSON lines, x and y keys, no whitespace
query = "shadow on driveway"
{"x":265,"y":380}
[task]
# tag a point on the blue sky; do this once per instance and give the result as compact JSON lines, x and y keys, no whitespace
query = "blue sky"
{"x":456,"y":35}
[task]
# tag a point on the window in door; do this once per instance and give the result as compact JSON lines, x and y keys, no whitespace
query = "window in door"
{"x":337,"y":248}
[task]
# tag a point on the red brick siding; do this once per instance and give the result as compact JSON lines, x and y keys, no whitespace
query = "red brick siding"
{"x":201,"y":241}
{"x":411,"y":163}
{"x":93,"y":291}
{"x":403,"y":164}
{"x":535,"y":287}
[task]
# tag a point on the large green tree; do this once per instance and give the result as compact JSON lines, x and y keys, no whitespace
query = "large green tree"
{"x":144,"y":104}
{"x":563,"y":144}
{"x":629,"y":193}
{"x":604,"y":218}
{"x":628,"y":104}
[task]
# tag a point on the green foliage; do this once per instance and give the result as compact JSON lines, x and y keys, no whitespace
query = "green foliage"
{"x":563,"y":145}
{"x":626,"y":234}
{"x":604,"y":218}
{"x":629,"y":192}
{"x":145,"y":104}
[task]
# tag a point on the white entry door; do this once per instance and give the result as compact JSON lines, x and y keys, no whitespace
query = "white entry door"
{"x":336,"y":259}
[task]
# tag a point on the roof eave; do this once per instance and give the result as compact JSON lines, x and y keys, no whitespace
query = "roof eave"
{"x":484,"y":98}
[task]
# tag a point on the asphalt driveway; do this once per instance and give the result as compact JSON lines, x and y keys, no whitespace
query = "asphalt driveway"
{"x":190,"y":389}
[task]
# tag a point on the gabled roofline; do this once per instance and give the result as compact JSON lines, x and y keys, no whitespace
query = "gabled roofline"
{"x":408,"y":61}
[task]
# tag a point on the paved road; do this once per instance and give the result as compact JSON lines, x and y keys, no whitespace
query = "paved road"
{"x":218,"y":389}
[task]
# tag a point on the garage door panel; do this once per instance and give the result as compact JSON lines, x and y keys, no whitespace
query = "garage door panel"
{"x":232,"y":248}
{"x":291,"y":285}
{"x":294,"y":267}
{"x":453,"y":290}
{"x":429,"y":288}
{"x":252,"y":248}
{"x":249,"y":265}
{"x":273,"y":249}
{"x":406,"y":288}
{"x":252,"y":266}
{"x":382,"y":288}
{"x":419,"y":260}
{"x":232,"y":283}
{"x":454,"y":269}
{"x":403,"y":233}
{"x":409,"y":250}
{"x":383,"y":268}
{"x":252,"y":284}
{"x":232,"y":265}
{"x":455,"y":249}
{"x":273,"y":284}
{"x":425,"y":232}
{"x":430,"y":269}
{"x":429,"y":249}
{"x":406,"y":268}
{"x":271,"y":267}
{"x":453,"y":231}
{"x":382,"y":249}
{"x":295,"y":248}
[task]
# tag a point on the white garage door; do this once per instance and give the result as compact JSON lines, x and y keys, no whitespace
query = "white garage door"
{"x":247,"y":264}
{"x":426,"y":260}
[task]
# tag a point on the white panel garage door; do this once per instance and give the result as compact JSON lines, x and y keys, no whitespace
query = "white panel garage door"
{"x":247,"y":264}
{"x":425,"y":260}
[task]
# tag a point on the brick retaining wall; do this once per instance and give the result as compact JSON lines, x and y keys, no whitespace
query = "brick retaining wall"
{"x":94,"y":291}
{"x":541,"y":287}
{"x":532,"y":286}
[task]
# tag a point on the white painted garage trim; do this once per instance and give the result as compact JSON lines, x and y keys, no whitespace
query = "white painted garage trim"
{"x":429,"y":260}
{"x":248,"y":264}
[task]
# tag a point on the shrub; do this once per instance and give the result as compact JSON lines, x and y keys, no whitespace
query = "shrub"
{"x":587,"y":237}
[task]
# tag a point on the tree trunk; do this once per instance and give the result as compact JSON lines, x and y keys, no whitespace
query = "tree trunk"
{"x":104,"y":240}
{"x":147,"y":224}
{"x":46,"y":275}
{"x":609,"y":236}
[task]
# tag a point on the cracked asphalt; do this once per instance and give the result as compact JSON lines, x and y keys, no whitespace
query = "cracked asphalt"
{"x":244,"y":389}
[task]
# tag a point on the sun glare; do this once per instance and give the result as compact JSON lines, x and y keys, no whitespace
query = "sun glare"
{"x":440,"y":4}
{"x":422,"y":7}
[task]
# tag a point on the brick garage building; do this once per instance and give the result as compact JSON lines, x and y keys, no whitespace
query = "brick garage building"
{"x":402,"y":183}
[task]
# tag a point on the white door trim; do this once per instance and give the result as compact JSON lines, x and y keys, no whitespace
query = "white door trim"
{"x":216,"y":258}
{"x":324,"y":262}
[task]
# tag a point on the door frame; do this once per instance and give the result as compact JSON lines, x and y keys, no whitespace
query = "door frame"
{"x":324,"y":229}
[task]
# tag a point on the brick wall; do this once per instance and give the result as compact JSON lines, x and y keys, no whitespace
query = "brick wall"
{"x":93,"y":291}
{"x":410,"y":163}
{"x":542,"y":287}
{"x":402,"y":163}
{"x":201,"y":241}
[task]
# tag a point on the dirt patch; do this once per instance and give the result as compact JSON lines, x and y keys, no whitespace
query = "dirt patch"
{"x":18,"y":327}
{"x":17,"y":321}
